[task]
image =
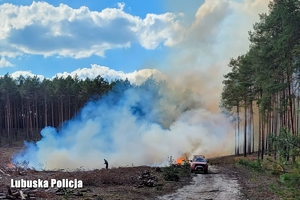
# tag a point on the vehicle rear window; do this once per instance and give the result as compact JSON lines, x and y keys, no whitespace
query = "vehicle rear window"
{"x":200,"y":160}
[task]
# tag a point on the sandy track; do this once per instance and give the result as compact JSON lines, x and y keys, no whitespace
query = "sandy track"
{"x":212,"y":186}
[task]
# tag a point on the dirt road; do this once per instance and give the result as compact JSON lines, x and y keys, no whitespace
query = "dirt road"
{"x":212,"y":186}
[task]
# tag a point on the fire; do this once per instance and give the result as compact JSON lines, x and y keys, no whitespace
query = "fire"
{"x":10,"y":165}
{"x":181,"y":160}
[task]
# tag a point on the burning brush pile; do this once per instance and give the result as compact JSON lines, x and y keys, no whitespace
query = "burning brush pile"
{"x":183,"y":160}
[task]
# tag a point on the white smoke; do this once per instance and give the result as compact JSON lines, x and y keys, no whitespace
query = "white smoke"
{"x":134,"y":125}
{"x":146,"y":124}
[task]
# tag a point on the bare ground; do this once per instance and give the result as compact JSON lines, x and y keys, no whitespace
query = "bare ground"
{"x":214,"y":185}
{"x":254,"y":185}
{"x":224,"y":181}
{"x":115,"y":183}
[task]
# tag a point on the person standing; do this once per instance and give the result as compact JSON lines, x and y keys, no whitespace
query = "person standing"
{"x":106,"y":164}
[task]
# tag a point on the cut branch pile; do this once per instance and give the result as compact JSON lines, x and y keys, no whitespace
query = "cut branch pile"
{"x":146,"y":180}
{"x":31,"y":193}
{"x":4,"y":173}
{"x":18,"y":194}
{"x":70,"y":192}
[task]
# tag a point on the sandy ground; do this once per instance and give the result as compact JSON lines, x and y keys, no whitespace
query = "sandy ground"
{"x":214,"y":185}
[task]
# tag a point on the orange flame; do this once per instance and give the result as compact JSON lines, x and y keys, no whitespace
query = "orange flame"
{"x":180,"y":160}
{"x":10,"y":165}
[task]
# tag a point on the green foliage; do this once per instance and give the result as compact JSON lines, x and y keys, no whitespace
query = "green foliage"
{"x":171,"y":173}
{"x":159,"y":187}
{"x":286,"y":145}
{"x":285,"y":192}
{"x":66,"y":194}
{"x":185,"y":168}
{"x":255,"y":165}
{"x":290,"y":179}
{"x":297,"y":163}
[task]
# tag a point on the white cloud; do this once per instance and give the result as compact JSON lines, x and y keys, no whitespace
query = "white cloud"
{"x":43,"y":29}
{"x":136,"y":77}
{"x":5,"y":63}
{"x":157,"y":27}
{"x":25,"y":74}
{"x":121,"y":5}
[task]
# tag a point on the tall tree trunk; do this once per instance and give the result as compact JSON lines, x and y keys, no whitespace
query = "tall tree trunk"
{"x":297,"y":115}
{"x":1,"y":128}
{"x":36,"y":116}
{"x":249,"y":130}
{"x":238,"y":133}
{"x":23,"y":115}
{"x":8,"y":120}
{"x":245,"y":129}
{"x":253,"y":127}
{"x":69,"y":117}
{"x":235,"y":138}
{"x":267,"y":133}
{"x":62,"y":111}
{"x":26,"y":122}
{"x":1,"y":120}
{"x":52,"y":113}
{"x":30,"y":124}
{"x":15,"y":121}
{"x":276,"y":116}
{"x":290,"y":105}
{"x":262,"y":139}
{"x":45,"y":109}
{"x":259,"y":134}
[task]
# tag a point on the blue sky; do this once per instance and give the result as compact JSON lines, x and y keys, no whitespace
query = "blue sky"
{"x":53,"y":37}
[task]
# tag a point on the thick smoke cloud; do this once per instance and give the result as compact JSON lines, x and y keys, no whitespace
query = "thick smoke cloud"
{"x":131,"y":125}
{"x":147,"y":123}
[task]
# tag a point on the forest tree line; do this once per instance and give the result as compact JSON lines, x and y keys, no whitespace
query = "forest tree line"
{"x":30,"y":104}
{"x":261,"y":92}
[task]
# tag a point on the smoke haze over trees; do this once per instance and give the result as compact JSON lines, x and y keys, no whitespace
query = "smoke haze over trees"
{"x":261,"y":93}
{"x":73,"y":121}
{"x":152,"y":120}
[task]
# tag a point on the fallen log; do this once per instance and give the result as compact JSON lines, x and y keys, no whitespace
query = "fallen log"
{"x":22,"y":196}
{"x":22,"y":173}
{"x":9,"y":190}
{"x":4,"y":172}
